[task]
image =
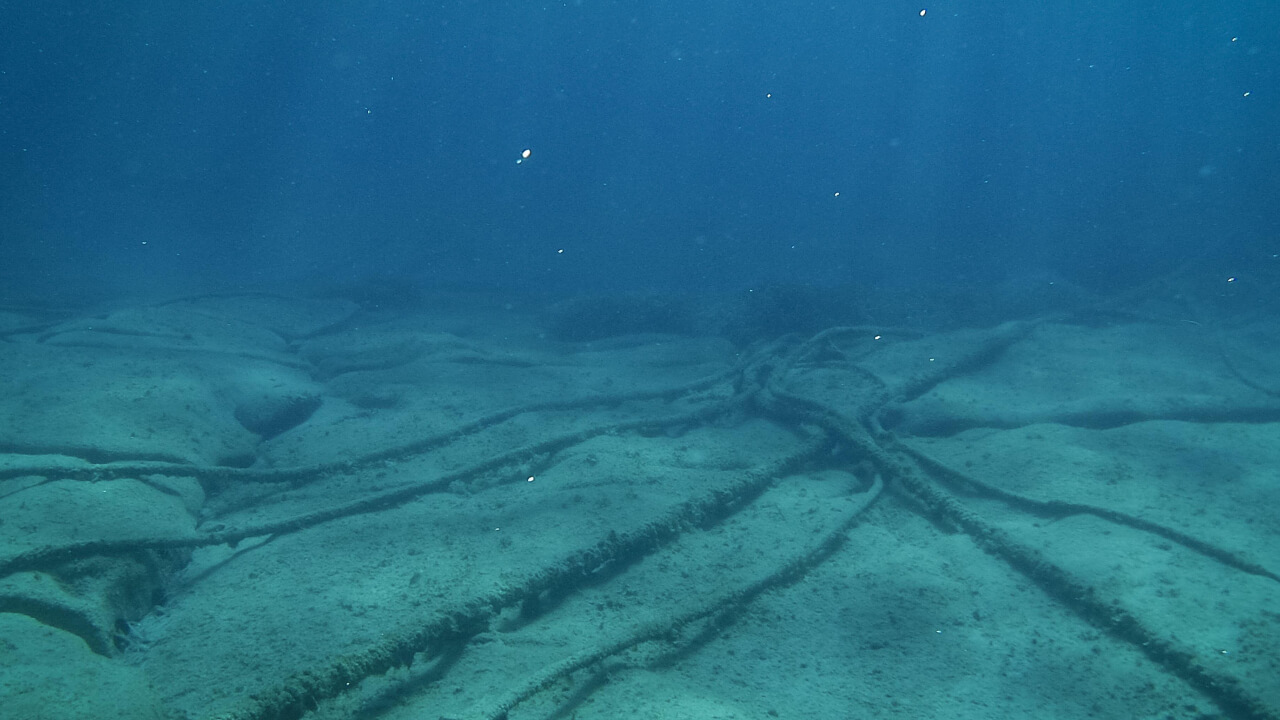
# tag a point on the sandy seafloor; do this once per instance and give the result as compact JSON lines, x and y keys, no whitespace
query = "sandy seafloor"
{"x":253,"y":507}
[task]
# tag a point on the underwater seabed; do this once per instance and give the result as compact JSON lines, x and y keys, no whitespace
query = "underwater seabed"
{"x":253,"y":507}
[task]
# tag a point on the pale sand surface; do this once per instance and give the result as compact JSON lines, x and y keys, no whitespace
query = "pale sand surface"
{"x":507,"y":503}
